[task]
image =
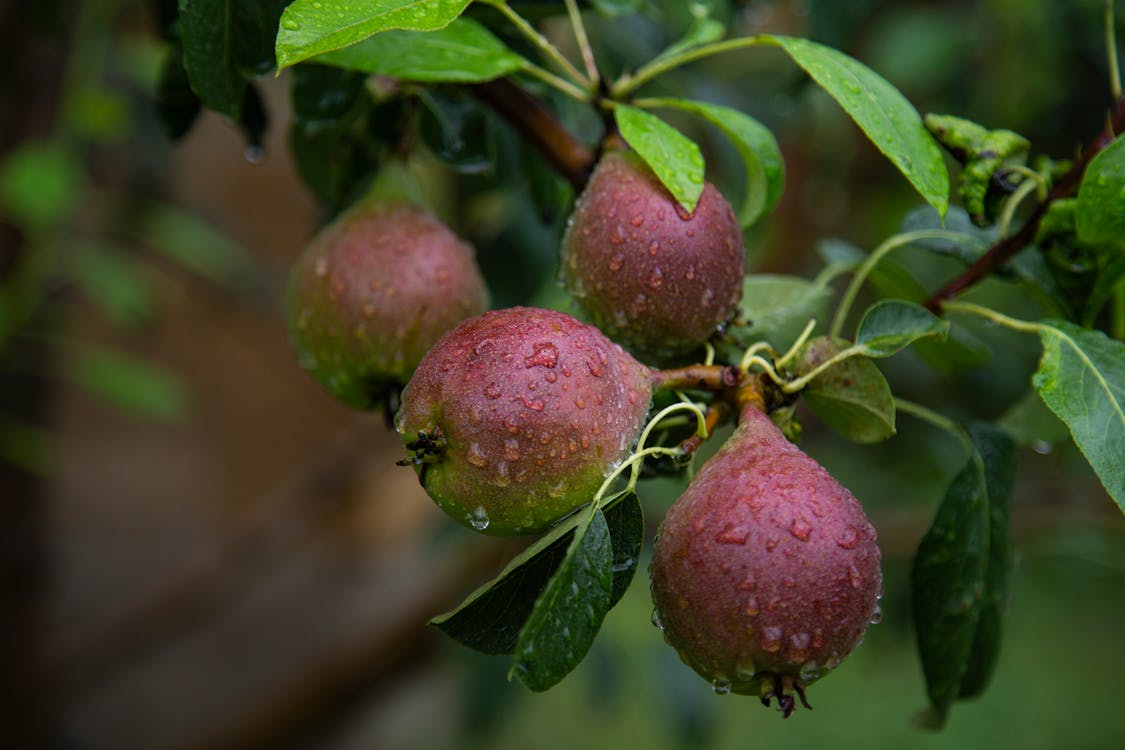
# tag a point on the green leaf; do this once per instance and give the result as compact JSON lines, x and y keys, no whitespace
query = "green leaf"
{"x":761,"y":156}
{"x":195,"y":245}
{"x":778,"y":307}
{"x":491,"y":618}
{"x":1081,"y":376}
{"x":313,"y":27}
{"x":111,"y":279}
{"x":626,"y":522}
{"x":226,"y":43}
{"x":135,"y":386}
{"x":569,"y":612}
{"x":1031,"y":424}
{"x":1101,"y":196}
{"x":335,"y":148}
{"x":881,"y":112}
{"x":462,"y":52}
{"x":853,"y":398}
{"x":959,"y":579}
{"x":39,"y":184}
{"x":674,"y":158}
{"x":891,"y":325}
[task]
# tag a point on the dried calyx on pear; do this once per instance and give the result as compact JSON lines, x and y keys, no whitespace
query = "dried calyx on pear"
{"x":765,"y":573}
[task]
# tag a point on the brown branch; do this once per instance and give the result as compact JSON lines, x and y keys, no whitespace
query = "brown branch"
{"x":1007,"y":248}
{"x":538,"y":125}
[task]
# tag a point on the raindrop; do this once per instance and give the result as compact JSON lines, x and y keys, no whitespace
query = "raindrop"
{"x":290,"y":24}
{"x":877,"y":615}
{"x":254,"y":153}
{"x":1042,"y":447}
{"x":771,"y":639}
{"x":847,"y":538}
{"x":656,"y":619}
{"x":720,"y":685}
{"x":479,"y":519}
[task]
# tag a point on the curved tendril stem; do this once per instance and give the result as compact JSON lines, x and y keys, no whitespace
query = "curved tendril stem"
{"x":988,"y":313}
{"x":793,"y":386}
{"x":583,"y":41}
{"x":629,"y":83}
{"x":891,"y":244}
{"x":1014,"y":200}
{"x":767,"y":368}
{"x":541,"y":42}
{"x":796,"y":344}
{"x":939,"y":421}
{"x":751,"y":353}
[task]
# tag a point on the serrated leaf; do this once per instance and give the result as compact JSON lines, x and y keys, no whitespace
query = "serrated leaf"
{"x":462,"y":52}
{"x":491,"y":618}
{"x":1101,"y":196}
{"x":1081,"y":376}
{"x":569,"y":612}
{"x":887,"y":118}
{"x":959,"y":577}
{"x":778,"y":307}
{"x":673,"y":157}
{"x":761,"y":156}
{"x":853,"y":398}
{"x":313,"y":27}
{"x":891,"y":325}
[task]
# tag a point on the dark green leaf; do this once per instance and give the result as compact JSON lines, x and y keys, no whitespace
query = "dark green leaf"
{"x":462,"y":52}
{"x":626,"y":522}
{"x":761,"y":156}
{"x":176,"y":104}
{"x":313,"y":27}
{"x":881,"y":112}
{"x":778,"y":307}
{"x":334,"y":147}
{"x":133,"y":385}
{"x":1111,"y":275}
{"x":224,"y":45}
{"x":456,"y":129}
{"x":490,"y":619}
{"x":853,"y":397}
{"x":892,"y":324}
{"x":674,"y":158}
{"x":1081,"y":376}
{"x":1032,"y":424}
{"x":569,"y":612}
{"x":959,"y":578}
{"x":1101,"y":196}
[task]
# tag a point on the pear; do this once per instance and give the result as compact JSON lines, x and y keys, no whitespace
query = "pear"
{"x":765,"y":573}
{"x":515,"y":418}
{"x":651,"y":275}
{"x":373,"y":291}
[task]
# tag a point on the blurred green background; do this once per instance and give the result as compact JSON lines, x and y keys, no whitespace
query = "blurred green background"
{"x":199,"y":549}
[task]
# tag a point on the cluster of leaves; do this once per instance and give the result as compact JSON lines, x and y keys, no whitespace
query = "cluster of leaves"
{"x":370,"y":76}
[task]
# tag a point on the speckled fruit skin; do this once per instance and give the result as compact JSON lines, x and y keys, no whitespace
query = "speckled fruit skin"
{"x":531,"y":409}
{"x":371,"y":294}
{"x":652,"y":276}
{"x":766,"y":570}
